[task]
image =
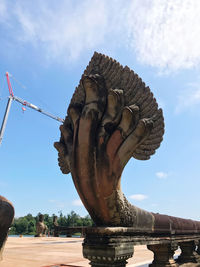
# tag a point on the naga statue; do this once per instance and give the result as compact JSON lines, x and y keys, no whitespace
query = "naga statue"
{"x":6,"y":218}
{"x":41,"y":228}
{"x":112,"y":117}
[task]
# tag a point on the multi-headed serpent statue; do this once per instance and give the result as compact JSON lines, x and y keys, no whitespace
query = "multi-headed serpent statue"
{"x":112,"y":117}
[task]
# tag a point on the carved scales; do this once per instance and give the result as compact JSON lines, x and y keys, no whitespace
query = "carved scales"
{"x":135,"y":92}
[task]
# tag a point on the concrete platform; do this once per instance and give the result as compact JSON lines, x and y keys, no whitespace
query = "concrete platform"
{"x":56,"y":252}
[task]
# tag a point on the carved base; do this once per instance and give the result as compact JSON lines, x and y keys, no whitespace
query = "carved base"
{"x":188,"y":253}
{"x":107,"y":251}
{"x":107,"y":255}
{"x":163,"y":255}
{"x":108,"y":264}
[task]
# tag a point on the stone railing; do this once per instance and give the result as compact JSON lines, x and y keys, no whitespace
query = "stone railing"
{"x":113,"y":246}
{"x":68,"y":231}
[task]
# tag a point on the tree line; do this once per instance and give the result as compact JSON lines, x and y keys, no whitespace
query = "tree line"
{"x":27,"y":225}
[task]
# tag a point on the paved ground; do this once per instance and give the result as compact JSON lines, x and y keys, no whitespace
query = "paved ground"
{"x":56,"y":252}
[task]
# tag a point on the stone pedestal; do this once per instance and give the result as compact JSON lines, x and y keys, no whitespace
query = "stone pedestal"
{"x":163,"y":255}
{"x":188,"y":253}
{"x":107,"y":251}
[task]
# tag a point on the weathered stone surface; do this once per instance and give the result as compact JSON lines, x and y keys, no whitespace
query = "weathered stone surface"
{"x":107,"y":251}
{"x":163,"y":254}
{"x":6,"y":218}
{"x":41,"y":228}
{"x":102,"y":240}
{"x":137,"y":237}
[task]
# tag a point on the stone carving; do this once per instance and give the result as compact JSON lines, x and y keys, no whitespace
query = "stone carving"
{"x":41,"y":228}
{"x":6,"y":218}
{"x":112,"y":117}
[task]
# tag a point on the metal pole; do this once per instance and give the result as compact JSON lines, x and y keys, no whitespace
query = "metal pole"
{"x":25,"y":103}
{"x":3,"y":126}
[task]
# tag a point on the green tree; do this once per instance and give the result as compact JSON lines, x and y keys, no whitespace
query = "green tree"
{"x":62,"y":220}
{"x":21,"y":226}
{"x":31,"y":227}
{"x":48,"y":220}
{"x":87,"y":221}
{"x":27,"y":224}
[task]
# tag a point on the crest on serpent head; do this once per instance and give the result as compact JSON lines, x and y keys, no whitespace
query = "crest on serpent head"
{"x":112,"y":117}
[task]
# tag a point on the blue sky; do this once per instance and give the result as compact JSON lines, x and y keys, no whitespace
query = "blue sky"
{"x":47,"y":46}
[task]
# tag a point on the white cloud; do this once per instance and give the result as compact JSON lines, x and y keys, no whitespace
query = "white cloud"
{"x":163,"y":34}
{"x":189,"y":98}
{"x":3,"y":10}
{"x":63,"y":204}
{"x":77,"y":202}
{"x":138,"y":197}
{"x":57,"y":203}
{"x":166,"y":34}
{"x":68,"y":30}
{"x":162,"y":175}
{"x":52,"y":200}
